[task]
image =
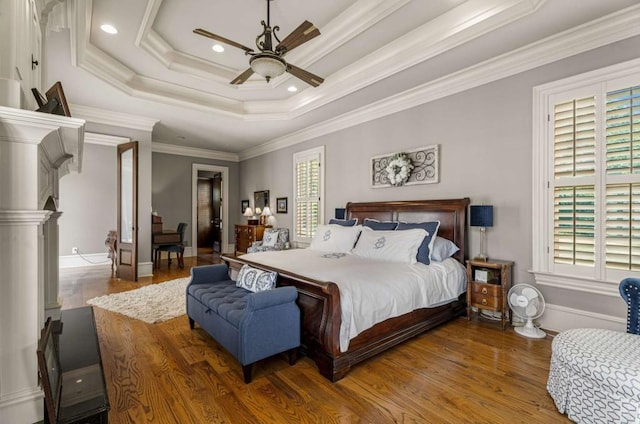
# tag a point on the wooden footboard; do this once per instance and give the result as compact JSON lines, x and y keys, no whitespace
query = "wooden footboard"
{"x":319,"y":304}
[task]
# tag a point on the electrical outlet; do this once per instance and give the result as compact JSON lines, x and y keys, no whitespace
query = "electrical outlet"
{"x":74,"y":250}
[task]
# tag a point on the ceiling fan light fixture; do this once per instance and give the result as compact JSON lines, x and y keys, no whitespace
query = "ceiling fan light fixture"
{"x":268,"y":65}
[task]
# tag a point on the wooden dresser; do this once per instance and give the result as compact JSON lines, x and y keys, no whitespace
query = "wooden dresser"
{"x":247,"y":234}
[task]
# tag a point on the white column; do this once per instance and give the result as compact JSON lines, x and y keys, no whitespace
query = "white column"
{"x":36,"y":149}
{"x":20,"y":315}
{"x":52,"y":305}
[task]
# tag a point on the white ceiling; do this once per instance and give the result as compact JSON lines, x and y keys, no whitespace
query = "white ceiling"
{"x":370,"y":52}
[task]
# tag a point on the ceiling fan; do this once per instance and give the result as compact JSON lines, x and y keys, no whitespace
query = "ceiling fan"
{"x":269,"y":62}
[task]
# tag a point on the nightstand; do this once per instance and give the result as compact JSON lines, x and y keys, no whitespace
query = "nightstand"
{"x":488,"y":285}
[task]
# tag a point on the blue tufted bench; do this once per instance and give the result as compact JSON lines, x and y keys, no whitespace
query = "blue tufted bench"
{"x":251,"y":326}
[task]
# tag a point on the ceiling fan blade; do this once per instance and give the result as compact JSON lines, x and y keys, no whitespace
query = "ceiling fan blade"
{"x":208,"y":34}
{"x":305,"y":76}
{"x":240,"y":79}
{"x":305,"y":32}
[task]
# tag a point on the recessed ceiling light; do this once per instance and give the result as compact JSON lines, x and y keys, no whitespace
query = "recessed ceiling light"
{"x":292,"y":88}
{"x":109,"y":29}
{"x":217,"y":48}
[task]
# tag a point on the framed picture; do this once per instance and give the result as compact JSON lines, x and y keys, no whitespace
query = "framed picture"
{"x":281,"y":205}
{"x":55,"y":102}
{"x":244,"y":205}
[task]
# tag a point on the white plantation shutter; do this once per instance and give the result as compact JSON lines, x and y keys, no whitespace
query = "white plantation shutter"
{"x":574,"y":155}
{"x":574,"y":225}
{"x":594,"y":186}
{"x":308,"y":182}
{"x":622,"y":244}
{"x":622,"y":231}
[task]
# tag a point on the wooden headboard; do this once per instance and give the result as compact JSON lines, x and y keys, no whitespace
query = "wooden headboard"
{"x":452,"y":214}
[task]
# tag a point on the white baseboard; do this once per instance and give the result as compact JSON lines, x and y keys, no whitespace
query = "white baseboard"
{"x":559,"y":318}
{"x":145,"y":269}
{"x":91,"y":259}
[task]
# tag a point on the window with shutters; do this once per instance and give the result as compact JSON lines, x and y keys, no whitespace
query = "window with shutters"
{"x":587,"y":179}
{"x":308,"y":184}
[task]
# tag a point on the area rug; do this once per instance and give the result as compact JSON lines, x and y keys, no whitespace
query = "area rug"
{"x":154,"y":303}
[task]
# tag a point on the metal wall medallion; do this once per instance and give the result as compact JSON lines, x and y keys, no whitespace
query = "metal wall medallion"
{"x":425,"y":167}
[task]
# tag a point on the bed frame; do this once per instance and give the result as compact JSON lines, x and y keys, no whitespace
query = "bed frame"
{"x":319,"y":301}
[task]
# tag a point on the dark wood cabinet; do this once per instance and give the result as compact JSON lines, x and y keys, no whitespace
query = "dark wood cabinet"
{"x":247,"y":234}
{"x":488,"y":285}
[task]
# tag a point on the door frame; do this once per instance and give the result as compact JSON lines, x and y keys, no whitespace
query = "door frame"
{"x":195,"y":167}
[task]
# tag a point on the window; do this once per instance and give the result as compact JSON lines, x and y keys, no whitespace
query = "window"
{"x":587,"y":178}
{"x":308,"y":186}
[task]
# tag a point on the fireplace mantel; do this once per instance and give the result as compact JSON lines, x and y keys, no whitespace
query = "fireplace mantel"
{"x":36,"y":150}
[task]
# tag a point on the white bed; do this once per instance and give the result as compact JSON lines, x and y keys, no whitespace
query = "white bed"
{"x":372,"y":291}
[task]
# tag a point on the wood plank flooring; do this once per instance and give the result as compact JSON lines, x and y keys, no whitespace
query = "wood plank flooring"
{"x":461,"y":372}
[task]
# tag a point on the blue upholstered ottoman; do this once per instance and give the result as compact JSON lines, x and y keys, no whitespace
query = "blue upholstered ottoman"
{"x":595,"y":375}
{"x":251,"y":326}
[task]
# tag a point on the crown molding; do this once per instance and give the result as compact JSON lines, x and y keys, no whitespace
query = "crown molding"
{"x":173,"y":149}
{"x":597,"y":33}
{"x":471,"y":19}
{"x":104,"y":139}
{"x":107,"y":117}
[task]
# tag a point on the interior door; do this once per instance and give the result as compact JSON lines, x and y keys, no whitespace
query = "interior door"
{"x":217,"y":213}
{"x":205,"y":212}
{"x":127,"y":265}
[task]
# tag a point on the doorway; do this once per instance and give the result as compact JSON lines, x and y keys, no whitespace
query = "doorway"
{"x":210,"y":209}
{"x":209,"y":212}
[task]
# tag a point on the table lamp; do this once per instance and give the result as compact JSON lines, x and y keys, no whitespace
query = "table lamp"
{"x":249,"y":214}
{"x":482,"y":216}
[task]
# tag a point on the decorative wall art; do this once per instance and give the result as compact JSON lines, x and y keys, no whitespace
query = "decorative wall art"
{"x":411,"y":167}
{"x":244,"y":205}
{"x":281,"y":205}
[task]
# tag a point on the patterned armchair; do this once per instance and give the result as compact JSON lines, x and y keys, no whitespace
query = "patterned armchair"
{"x":273,"y":239}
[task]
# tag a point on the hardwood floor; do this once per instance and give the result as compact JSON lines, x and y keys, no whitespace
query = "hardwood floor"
{"x":166,"y":373}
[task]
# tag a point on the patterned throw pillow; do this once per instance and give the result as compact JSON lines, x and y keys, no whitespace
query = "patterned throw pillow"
{"x":270,"y":237}
{"x":256,"y":280}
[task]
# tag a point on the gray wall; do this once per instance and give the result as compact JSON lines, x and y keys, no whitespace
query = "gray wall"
{"x":89,"y":202}
{"x":485,"y":153}
{"x":88,"y":213}
{"x":171,"y":190}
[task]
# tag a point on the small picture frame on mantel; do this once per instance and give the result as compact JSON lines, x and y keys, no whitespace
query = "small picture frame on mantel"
{"x":281,"y":204}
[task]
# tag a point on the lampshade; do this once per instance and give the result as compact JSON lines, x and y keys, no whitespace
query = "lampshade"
{"x":481,"y":216}
{"x":266,"y":211}
{"x":267,"y":65}
{"x":248,"y":212}
{"x":340,"y":213}
{"x":258,"y":211}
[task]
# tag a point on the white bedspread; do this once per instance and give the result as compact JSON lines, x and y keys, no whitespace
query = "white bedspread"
{"x":372,"y":291}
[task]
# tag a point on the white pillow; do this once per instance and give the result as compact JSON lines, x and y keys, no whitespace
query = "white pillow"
{"x":390,"y":246}
{"x":256,"y":280}
{"x":443,"y":249}
{"x":335,"y":238}
{"x":270,"y":237}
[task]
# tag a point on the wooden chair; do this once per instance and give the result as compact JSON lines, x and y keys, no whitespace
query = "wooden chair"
{"x":178,"y":248}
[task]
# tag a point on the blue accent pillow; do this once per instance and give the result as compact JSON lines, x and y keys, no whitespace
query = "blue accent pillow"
{"x":374,"y":224}
{"x":424,"y":251}
{"x":344,"y":222}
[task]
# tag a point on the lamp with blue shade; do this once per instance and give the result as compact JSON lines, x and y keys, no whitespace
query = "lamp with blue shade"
{"x":482,"y":216}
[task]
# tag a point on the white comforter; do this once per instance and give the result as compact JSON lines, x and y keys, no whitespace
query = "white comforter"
{"x":372,"y":291}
